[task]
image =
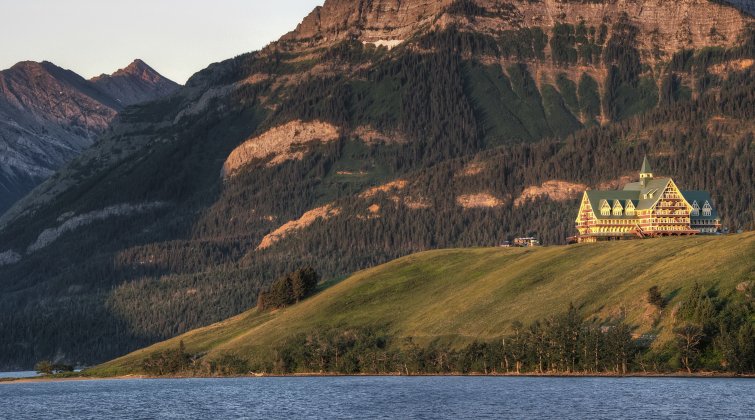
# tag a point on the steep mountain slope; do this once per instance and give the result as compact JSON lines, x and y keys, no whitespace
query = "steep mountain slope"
{"x":134,"y":84}
{"x":48,"y":115}
{"x":330,"y":149}
{"x":452,"y":297}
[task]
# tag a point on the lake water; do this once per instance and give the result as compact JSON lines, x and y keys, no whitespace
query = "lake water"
{"x":22,"y":374}
{"x":382,"y":397}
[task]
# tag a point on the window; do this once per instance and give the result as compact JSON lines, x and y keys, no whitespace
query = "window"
{"x":695,"y":208}
{"x":605,"y":209}
{"x":629,"y":206}
{"x":617,"y":209}
{"x":707,"y":209}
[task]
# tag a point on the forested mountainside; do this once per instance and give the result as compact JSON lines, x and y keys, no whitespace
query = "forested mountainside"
{"x":374,"y":130}
{"x":48,"y":115}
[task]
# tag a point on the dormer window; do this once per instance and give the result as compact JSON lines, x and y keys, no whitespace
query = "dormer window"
{"x":629,"y":206}
{"x":605,"y":208}
{"x":695,"y":209}
{"x":707,"y":209}
{"x":617,"y":209}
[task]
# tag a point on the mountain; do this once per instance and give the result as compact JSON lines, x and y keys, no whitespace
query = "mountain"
{"x":373,"y":131}
{"x":48,"y":115}
{"x":450,"y":298}
{"x":135,"y":84}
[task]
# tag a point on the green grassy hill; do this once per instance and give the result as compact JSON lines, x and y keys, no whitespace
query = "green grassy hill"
{"x":457,"y":296}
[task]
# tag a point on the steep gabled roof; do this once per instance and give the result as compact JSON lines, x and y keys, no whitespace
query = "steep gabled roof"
{"x":656,"y":187}
{"x":646,"y":167}
{"x":635,"y":195}
{"x":595,"y":197}
{"x":701,"y":197}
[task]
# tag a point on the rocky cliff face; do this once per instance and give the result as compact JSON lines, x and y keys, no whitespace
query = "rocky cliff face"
{"x":48,"y":115}
{"x":666,"y":25}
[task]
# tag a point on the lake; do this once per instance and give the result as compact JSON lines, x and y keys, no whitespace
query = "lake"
{"x":382,"y":397}
{"x":21,"y":374}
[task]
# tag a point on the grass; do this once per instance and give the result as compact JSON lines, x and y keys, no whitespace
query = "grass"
{"x":459,"y":295}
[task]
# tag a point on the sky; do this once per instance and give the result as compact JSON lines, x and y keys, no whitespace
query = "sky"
{"x":176,"y":37}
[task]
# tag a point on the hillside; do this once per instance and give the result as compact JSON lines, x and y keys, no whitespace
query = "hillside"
{"x":48,"y":115}
{"x":361,"y":137}
{"x":452,"y":297}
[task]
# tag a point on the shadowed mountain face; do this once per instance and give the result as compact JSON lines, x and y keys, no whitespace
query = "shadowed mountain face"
{"x":374,"y":130}
{"x":48,"y":115}
{"x":747,"y":6}
{"x":135,"y":84}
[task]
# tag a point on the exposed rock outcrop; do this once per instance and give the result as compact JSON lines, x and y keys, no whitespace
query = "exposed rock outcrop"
{"x":280,"y":144}
{"x":9,"y":257}
{"x":665,"y":26}
{"x":50,"y":235}
{"x":307,"y":219}
{"x":553,"y":190}
{"x":396,"y":185}
{"x":478,"y":201}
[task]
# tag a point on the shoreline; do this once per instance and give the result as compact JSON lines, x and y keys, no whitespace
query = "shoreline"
{"x":679,"y":375}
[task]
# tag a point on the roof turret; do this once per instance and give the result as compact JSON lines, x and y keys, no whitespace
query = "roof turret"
{"x":646,"y":167}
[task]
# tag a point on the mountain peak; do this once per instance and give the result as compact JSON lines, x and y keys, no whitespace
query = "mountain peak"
{"x":33,"y":67}
{"x":135,"y":83}
{"x":137,"y":66}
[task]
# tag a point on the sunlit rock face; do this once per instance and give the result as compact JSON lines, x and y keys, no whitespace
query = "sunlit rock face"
{"x":665,"y":26}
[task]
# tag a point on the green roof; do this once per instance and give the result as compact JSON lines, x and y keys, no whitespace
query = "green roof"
{"x":655,"y":186}
{"x":701,"y":197}
{"x":596,"y":197}
{"x":633,"y":192}
{"x":646,"y":167}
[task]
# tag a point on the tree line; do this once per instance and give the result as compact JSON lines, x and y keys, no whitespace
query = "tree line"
{"x":710,"y":333}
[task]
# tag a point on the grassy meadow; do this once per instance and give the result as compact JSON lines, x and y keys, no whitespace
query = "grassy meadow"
{"x":457,"y":296}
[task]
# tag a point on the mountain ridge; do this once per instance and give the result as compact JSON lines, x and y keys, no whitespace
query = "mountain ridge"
{"x":136,"y":83}
{"x":50,"y":114}
{"x":682,"y":24}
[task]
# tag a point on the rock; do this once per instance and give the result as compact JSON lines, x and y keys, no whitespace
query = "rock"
{"x":478,"y":201}
{"x":667,"y":26}
{"x":9,"y":257}
{"x":278,"y":144}
{"x":321,"y":213}
{"x":50,"y":235}
{"x":553,"y":190}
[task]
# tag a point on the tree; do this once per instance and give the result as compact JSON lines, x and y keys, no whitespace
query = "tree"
{"x":303,"y":283}
{"x":688,"y":337}
{"x":61,"y":367}
{"x":619,"y":346}
{"x":517,"y":345}
{"x":289,"y":289}
{"x":44,"y":367}
{"x":655,"y":298}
